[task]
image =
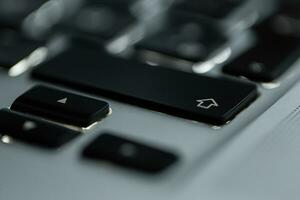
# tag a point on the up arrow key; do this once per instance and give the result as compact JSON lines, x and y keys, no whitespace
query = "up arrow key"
{"x":61,"y":106}
{"x":63,"y":101}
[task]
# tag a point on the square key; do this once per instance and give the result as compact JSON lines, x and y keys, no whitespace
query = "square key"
{"x":129,"y":153}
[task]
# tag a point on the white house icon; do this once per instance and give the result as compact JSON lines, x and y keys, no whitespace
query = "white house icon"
{"x":207,"y":103}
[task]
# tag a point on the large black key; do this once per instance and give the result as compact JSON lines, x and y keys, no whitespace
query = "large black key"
{"x":33,"y":130}
{"x":212,"y":100}
{"x":212,"y":8}
{"x":275,"y":51}
{"x":185,"y":37}
{"x":129,"y":153}
{"x":61,"y":106}
{"x":14,"y":47}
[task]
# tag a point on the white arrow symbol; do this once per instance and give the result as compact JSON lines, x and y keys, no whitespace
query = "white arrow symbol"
{"x":63,"y":101}
{"x":29,"y":125}
{"x":207,"y":103}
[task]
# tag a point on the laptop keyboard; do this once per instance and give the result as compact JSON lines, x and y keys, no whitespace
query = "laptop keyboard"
{"x":159,"y":89}
{"x":141,"y":52}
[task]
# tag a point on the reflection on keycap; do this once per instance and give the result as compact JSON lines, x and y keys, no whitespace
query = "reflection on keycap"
{"x":276,"y":49}
{"x":33,"y":130}
{"x":99,"y":20}
{"x":186,"y":37}
{"x":14,"y":47}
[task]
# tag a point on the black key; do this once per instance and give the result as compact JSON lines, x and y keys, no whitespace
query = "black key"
{"x":290,"y":8}
{"x":212,"y":100}
{"x":14,"y":47}
{"x":13,"y":12}
{"x":212,"y":8}
{"x":120,"y":3}
{"x":99,"y":20}
{"x":287,"y":19}
{"x":129,"y":153}
{"x":61,"y":106}
{"x":185,"y":37}
{"x":33,"y":130}
{"x":275,"y":51}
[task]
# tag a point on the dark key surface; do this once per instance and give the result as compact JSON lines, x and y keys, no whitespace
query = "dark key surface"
{"x":13,"y":12}
{"x":14,"y":47}
{"x":100,"y":20}
{"x":128,"y":153}
{"x":212,"y":100}
{"x":212,"y":8}
{"x":185,"y":37}
{"x":33,"y":130}
{"x":61,"y":106}
{"x":275,"y":51}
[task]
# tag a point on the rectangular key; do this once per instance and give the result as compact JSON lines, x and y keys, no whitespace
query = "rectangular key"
{"x":61,"y":106}
{"x":33,"y":130}
{"x":99,"y":20}
{"x":275,"y":51}
{"x":211,"y":100}
{"x":186,"y":37}
{"x":129,"y":153}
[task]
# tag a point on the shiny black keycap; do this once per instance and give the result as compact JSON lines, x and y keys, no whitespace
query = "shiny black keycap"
{"x":275,"y":51}
{"x":33,"y":130}
{"x":212,"y":8}
{"x":61,"y":106}
{"x":128,"y":153}
{"x":185,"y":37}
{"x":196,"y":97}
{"x":99,"y":20}
{"x":14,"y":47}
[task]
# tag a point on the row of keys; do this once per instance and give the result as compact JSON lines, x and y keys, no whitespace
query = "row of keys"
{"x":184,"y":35}
{"x":194,"y":39}
{"x":23,"y":122}
{"x":108,"y":147}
